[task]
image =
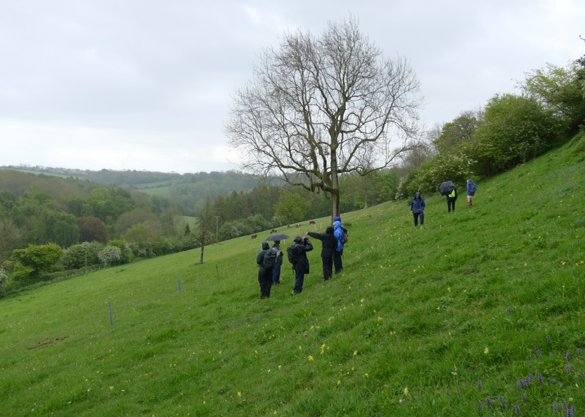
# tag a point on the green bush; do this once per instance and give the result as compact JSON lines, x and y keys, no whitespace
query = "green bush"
{"x":456,"y":167}
{"x":82,"y":255}
{"x":514,"y":130}
{"x":36,"y":259}
{"x":110,"y":255}
{"x":125,"y":251}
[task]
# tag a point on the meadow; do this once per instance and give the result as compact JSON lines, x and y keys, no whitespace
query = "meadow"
{"x":479,"y":312}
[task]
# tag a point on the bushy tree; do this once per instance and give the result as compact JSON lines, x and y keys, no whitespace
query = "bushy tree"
{"x":37,"y":259}
{"x":125,"y":250}
{"x":291,"y":208}
{"x":92,"y":229}
{"x":456,"y":167}
{"x":457,"y":132}
{"x":513,"y":130}
{"x":82,"y":255}
{"x":140,"y":237}
{"x":561,"y":91}
{"x":110,"y":255}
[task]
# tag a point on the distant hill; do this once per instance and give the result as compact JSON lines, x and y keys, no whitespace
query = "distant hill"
{"x":188,"y":191}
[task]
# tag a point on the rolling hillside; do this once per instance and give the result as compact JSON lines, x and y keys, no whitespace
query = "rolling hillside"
{"x":480,"y":312}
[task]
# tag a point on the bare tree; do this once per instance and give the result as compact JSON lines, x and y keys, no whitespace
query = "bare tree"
{"x":321,"y":107}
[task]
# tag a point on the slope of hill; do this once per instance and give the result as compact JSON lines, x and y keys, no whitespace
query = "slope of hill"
{"x":478,"y":313}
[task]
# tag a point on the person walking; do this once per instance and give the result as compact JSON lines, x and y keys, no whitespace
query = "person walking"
{"x":327,"y":251}
{"x":277,"y":264}
{"x":301,"y":262}
{"x":451,"y":199}
{"x":265,"y":260}
{"x":417,"y":206}
{"x":340,"y":234}
{"x":471,"y":190}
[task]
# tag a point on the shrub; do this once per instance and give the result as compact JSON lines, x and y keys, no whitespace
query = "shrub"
{"x":82,"y":255}
{"x":36,"y":259}
{"x":125,"y":251}
{"x":110,"y":255}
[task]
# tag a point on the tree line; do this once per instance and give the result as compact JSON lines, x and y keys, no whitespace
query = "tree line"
{"x":511,"y":129}
{"x":52,"y":225}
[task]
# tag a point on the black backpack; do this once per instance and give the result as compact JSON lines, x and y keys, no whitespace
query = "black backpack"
{"x":291,"y":253}
{"x":269,"y":258}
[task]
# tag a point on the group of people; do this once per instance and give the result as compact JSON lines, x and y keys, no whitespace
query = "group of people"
{"x":417,"y":205}
{"x":270,"y":259}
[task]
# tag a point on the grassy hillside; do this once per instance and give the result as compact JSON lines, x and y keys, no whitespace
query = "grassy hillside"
{"x":481,"y":312}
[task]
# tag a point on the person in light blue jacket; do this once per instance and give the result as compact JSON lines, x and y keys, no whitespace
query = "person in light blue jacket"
{"x":338,"y":232}
{"x":417,"y":206}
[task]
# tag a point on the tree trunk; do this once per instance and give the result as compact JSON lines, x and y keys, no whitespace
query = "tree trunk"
{"x":202,"y":250}
{"x":335,"y":204}
{"x":335,"y":194}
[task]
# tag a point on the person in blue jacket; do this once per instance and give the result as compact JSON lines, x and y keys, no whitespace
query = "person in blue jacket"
{"x":471,"y":189}
{"x":417,"y":206}
{"x":338,"y":232}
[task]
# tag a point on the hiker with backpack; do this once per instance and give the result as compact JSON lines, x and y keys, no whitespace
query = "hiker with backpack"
{"x":278,"y":262}
{"x":328,"y":250}
{"x":297,"y":256}
{"x":265,"y":260}
{"x":471,"y":189}
{"x":451,"y":199}
{"x":340,"y":234}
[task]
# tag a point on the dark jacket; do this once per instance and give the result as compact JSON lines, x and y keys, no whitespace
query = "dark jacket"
{"x":417,"y":205}
{"x":301,"y":249}
{"x":329,"y":242}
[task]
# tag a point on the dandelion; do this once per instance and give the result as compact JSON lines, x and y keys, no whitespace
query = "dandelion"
{"x":239,"y":394}
{"x":355,"y":352}
{"x":323,"y":348}
{"x":406,"y":392}
{"x":310,"y":358}
{"x":486,"y":351}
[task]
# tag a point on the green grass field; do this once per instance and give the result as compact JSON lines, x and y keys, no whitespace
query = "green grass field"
{"x":480,"y":312}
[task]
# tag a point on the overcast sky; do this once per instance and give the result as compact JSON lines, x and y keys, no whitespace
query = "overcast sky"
{"x":148,"y":85}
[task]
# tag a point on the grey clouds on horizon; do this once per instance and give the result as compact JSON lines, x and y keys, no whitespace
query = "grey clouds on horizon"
{"x":148,"y":85}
